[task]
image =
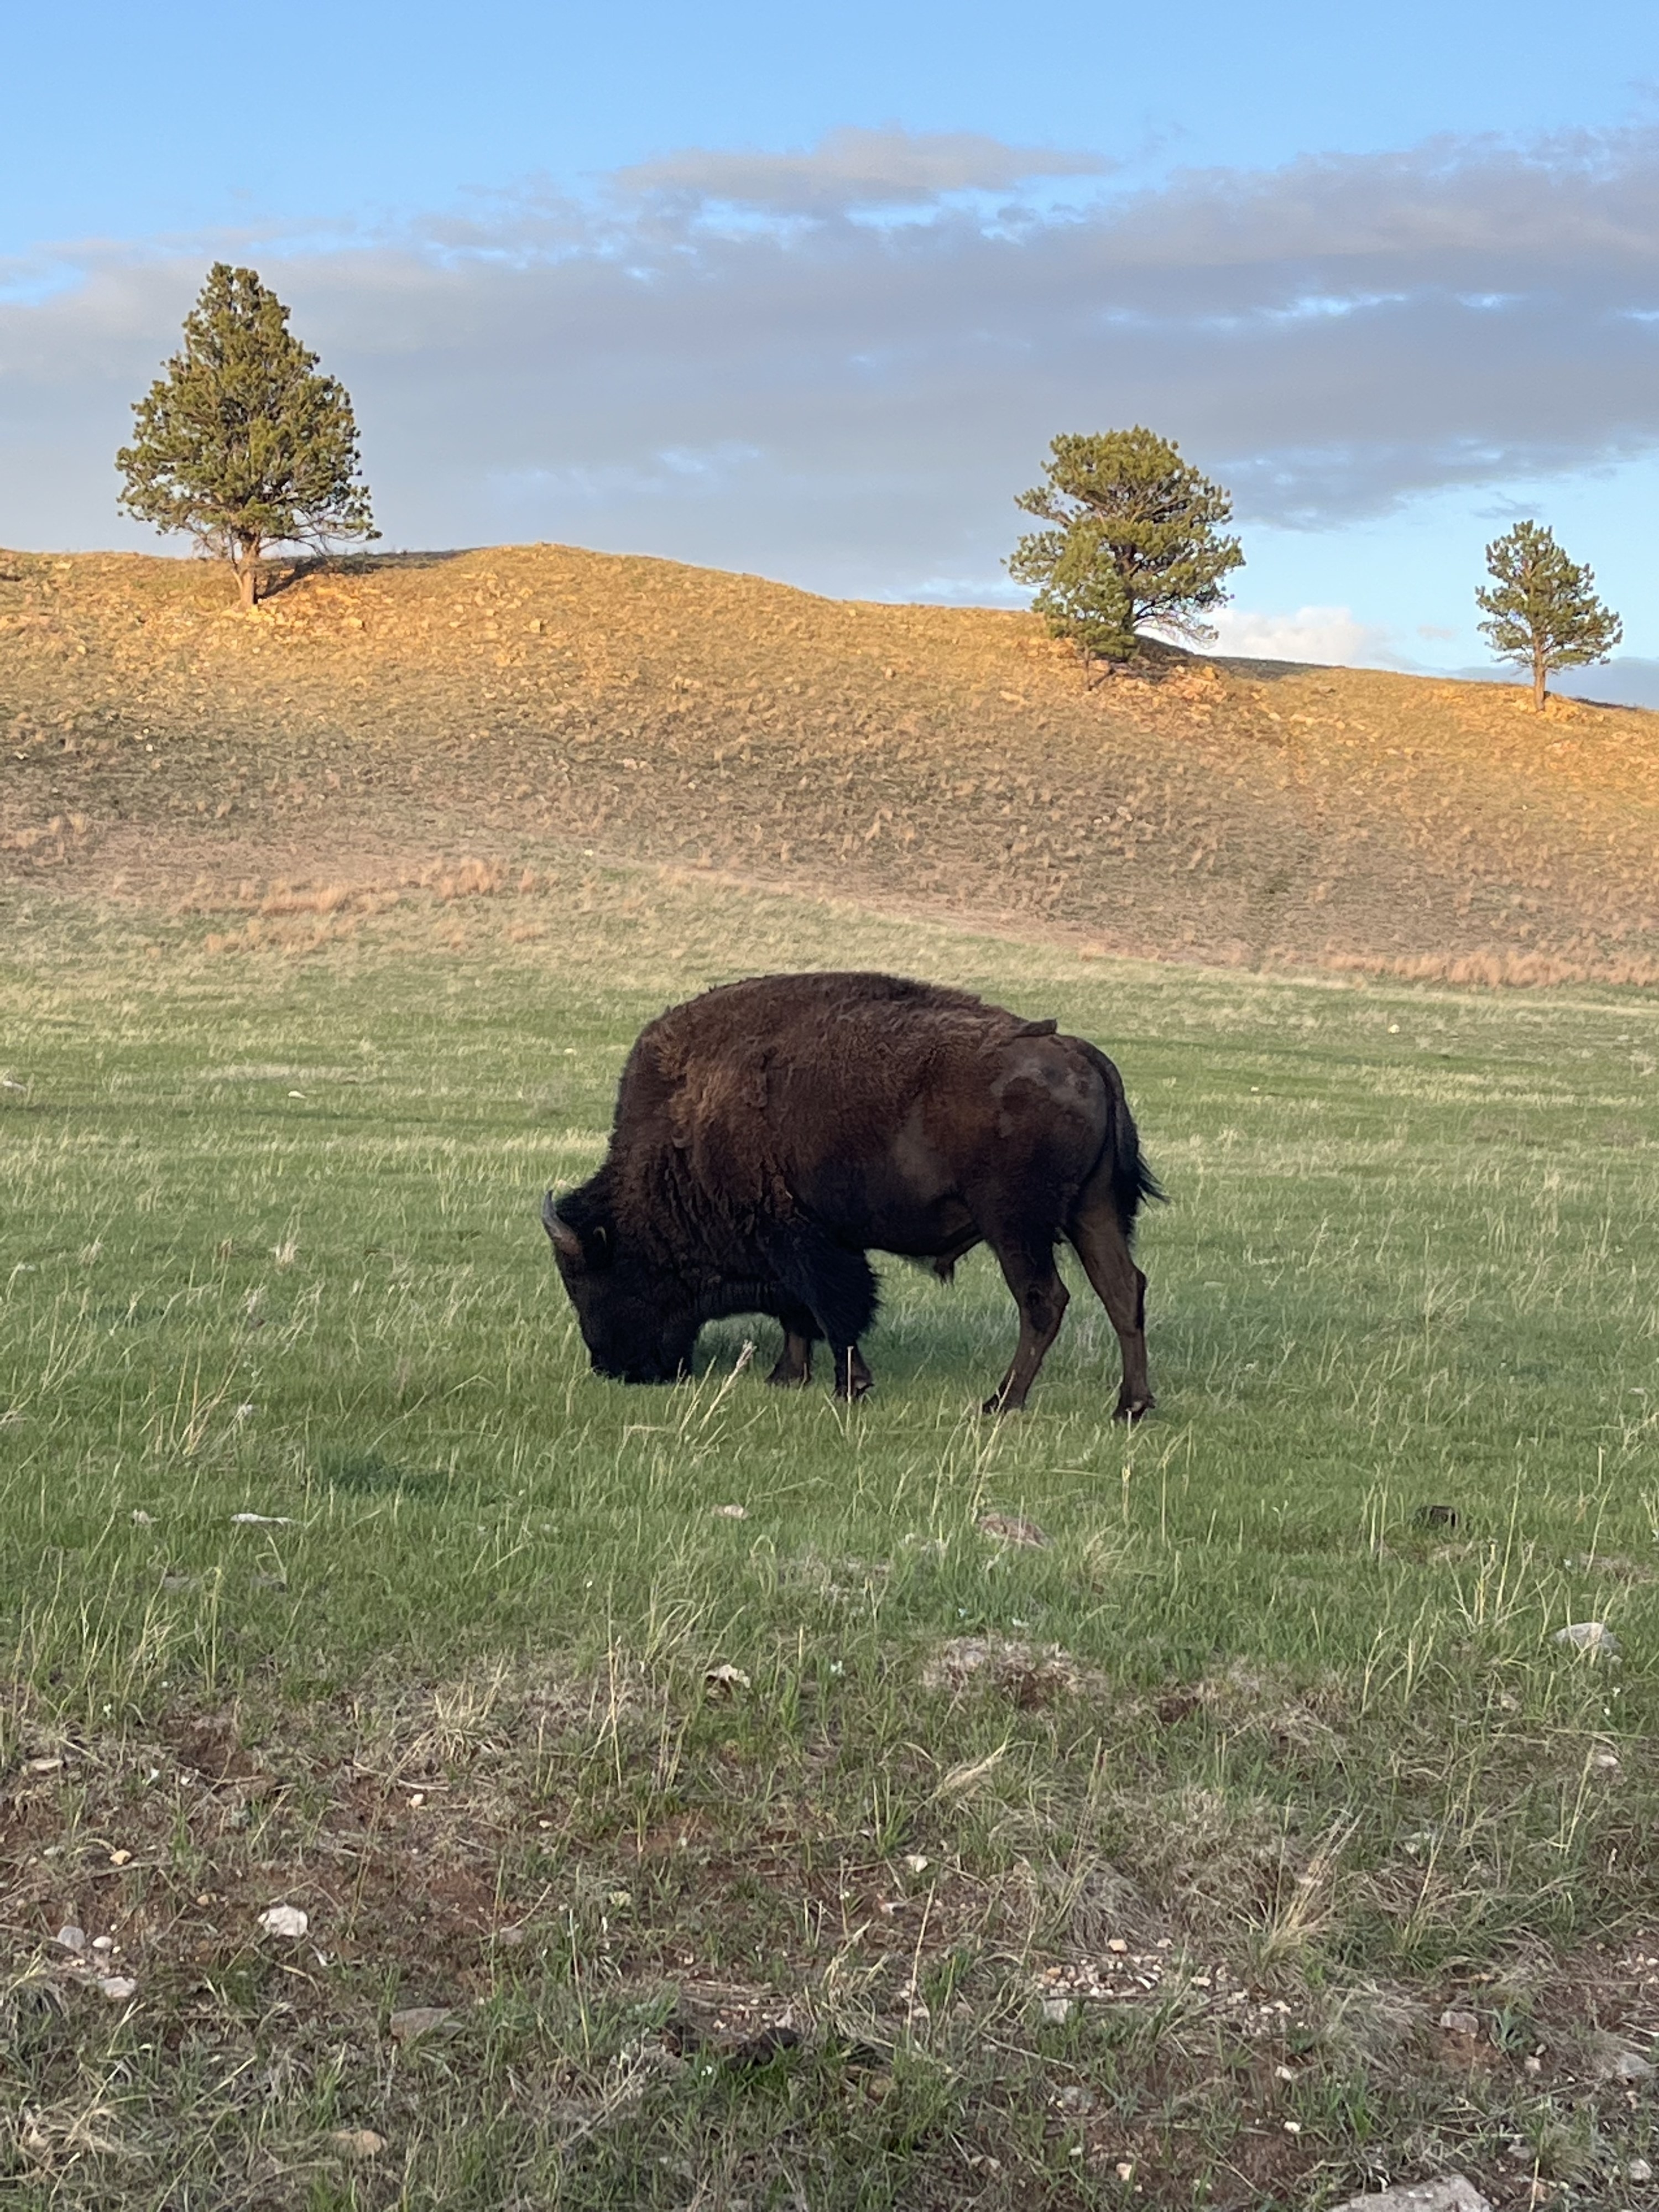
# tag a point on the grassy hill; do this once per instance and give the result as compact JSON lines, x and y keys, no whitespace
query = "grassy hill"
{"x":382,"y":721}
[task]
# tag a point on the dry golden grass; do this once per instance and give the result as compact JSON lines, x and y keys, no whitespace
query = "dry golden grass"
{"x":451,"y":720}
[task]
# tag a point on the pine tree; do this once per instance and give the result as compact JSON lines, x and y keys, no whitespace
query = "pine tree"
{"x":1541,"y":607}
{"x":1134,"y":540}
{"x":241,"y":443}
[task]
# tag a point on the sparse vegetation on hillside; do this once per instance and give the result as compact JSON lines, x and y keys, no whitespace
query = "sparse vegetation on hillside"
{"x":377,"y":718}
{"x":241,"y":444}
{"x":1134,"y":538}
{"x":1541,"y":609}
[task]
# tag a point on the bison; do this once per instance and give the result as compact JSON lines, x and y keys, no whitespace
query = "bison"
{"x":771,"y":1133}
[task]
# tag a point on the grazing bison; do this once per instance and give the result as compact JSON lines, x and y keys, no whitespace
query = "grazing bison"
{"x":771,"y":1132}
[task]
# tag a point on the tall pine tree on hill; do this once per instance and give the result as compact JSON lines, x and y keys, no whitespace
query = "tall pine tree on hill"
{"x":241,"y":444}
{"x":1542,"y":608}
{"x":1135,"y":537}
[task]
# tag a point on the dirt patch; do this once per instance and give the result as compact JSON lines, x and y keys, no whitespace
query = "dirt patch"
{"x":1029,"y":1674}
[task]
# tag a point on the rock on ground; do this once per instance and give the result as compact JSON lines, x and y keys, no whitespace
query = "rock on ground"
{"x":1451,"y":2194}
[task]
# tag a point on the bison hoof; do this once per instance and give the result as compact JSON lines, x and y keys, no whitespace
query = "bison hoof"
{"x":997,"y":1403}
{"x":1134,"y":1409}
{"x":788,"y":1378}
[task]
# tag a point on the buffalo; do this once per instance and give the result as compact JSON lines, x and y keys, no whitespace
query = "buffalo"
{"x":771,"y":1133}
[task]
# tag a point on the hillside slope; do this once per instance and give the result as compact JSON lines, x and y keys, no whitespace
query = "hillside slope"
{"x":380,"y":714}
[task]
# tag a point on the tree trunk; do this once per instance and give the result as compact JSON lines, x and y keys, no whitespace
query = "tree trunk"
{"x":244,"y":560}
{"x":1540,"y":677}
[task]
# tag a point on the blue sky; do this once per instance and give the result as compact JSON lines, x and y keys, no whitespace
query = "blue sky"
{"x":805,"y":291}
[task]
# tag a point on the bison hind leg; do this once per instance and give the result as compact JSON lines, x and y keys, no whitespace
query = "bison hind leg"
{"x":1102,"y":1243}
{"x":1026,"y":1255}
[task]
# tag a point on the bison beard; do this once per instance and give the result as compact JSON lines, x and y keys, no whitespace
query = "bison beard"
{"x":770,"y":1133}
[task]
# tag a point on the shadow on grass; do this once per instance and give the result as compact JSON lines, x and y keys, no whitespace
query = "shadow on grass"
{"x":282,"y":577}
{"x":370,"y":1474}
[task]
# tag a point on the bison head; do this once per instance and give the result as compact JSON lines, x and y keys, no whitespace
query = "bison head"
{"x":635,"y":1327}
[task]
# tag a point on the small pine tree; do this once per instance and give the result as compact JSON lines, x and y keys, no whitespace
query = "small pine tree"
{"x":241,"y":444}
{"x":1542,"y":608}
{"x":1135,"y":539}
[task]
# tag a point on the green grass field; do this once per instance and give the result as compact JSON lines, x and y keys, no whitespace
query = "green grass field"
{"x":836,"y":1852}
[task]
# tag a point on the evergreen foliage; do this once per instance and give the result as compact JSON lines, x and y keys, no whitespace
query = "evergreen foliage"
{"x":1542,"y":608}
{"x":241,"y":444}
{"x":1134,"y":538}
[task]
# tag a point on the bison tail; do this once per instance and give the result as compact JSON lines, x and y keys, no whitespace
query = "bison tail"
{"x":1132,"y":1181}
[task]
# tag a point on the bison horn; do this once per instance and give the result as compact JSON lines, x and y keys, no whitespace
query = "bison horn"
{"x":565,"y":1239}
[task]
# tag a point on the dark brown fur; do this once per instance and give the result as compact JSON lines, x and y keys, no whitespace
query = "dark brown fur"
{"x":770,"y":1133}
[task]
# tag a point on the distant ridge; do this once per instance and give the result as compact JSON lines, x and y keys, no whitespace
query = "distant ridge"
{"x":1627,"y":680}
{"x":381,"y":714}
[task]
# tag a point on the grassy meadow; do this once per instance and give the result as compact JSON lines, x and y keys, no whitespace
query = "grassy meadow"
{"x":762,"y":1816}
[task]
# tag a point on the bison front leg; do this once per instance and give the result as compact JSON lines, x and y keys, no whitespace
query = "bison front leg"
{"x":1042,"y":1298}
{"x":794,"y":1369}
{"x":852,"y":1378}
{"x":837,"y":1288}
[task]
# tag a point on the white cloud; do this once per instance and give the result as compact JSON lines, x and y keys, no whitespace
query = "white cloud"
{"x":855,"y":404}
{"x":1331,"y":635}
{"x":853,"y":168}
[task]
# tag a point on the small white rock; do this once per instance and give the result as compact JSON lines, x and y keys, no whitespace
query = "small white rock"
{"x":284,"y":1920}
{"x":1593,"y":1638}
{"x":1638,"y":2170}
{"x":72,"y":1938}
{"x":260,"y":1520}
{"x":918,"y":1862}
{"x":141,"y":1519}
{"x":1451,"y":2194}
{"x":1056,"y":2010}
{"x":1456,"y":2022}
{"x":731,"y":1512}
{"x":117,"y":1988}
{"x":1631,"y":2066}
